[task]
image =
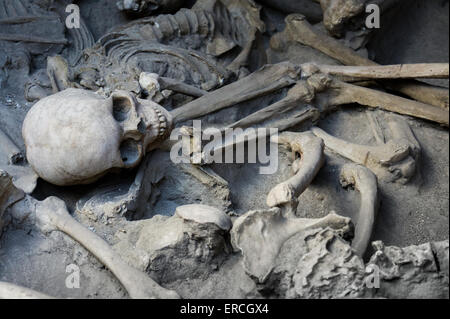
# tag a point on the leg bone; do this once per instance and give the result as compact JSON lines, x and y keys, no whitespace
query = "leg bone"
{"x":366,"y":183}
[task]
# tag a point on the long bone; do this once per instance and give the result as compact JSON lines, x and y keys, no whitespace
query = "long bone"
{"x":340,"y":93}
{"x":398,"y":71}
{"x":303,"y":92}
{"x":299,"y":30}
{"x":11,"y":291}
{"x":310,"y":149}
{"x":268,"y":79}
{"x":366,"y":183}
{"x":259,"y":235}
{"x":52,"y":214}
{"x":394,"y":160}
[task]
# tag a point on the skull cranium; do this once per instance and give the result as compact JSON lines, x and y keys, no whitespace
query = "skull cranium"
{"x":77,"y":136}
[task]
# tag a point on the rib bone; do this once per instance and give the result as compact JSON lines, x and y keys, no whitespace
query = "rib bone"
{"x":310,"y":148}
{"x":366,"y":183}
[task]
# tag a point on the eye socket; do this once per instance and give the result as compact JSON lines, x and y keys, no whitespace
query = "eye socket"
{"x":129,"y":152}
{"x":121,"y":108}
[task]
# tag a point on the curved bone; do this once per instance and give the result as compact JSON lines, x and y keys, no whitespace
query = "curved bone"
{"x":310,"y":148}
{"x":299,"y":30}
{"x":259,"y":235}
{"x":366,"y":183}
{"x":52,"y":215}
{"x":11,"y":291}
{"x":394,"y":160}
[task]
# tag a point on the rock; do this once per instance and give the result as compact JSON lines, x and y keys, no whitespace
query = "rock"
{"x":174,"y":248}
{"x":412,"y":272}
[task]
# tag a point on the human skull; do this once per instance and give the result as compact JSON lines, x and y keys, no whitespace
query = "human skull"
{"x":77,"y":136}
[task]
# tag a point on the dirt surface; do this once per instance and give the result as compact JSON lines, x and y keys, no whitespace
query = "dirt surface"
{"x":410,"y":214}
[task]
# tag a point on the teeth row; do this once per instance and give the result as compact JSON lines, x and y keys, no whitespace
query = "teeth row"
{"x":162,"y":122}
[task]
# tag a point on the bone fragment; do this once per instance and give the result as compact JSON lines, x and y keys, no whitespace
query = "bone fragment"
{"x":366,"y":183}
{"x":299,"y":30}
{"x":310,"y":149}
{"x":259,"y":235}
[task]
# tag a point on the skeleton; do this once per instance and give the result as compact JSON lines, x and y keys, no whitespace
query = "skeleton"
{"x":135,"y":126}
{"x":52,"y":214}
{"x":187,"y":46}
{"x":309,"y":149}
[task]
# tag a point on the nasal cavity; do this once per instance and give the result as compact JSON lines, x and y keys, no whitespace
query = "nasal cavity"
{"x":130,"y":152}
{"x":121,"y":108}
